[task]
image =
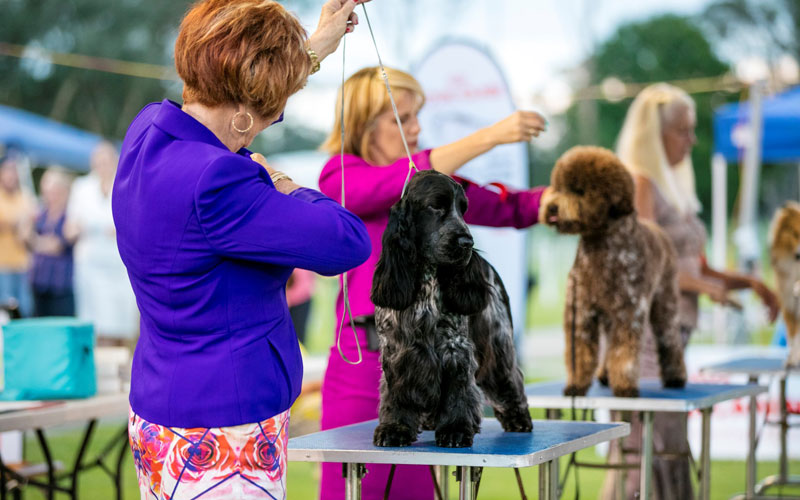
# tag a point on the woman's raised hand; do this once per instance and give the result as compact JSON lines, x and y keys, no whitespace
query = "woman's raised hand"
{"x":519,"y":126}
{"x":336,"y":19}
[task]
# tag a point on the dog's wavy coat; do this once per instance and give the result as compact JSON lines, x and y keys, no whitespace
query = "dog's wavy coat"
{"x":624,"y":275}
{"x":784,"y":251}
{"x":444,"y":324}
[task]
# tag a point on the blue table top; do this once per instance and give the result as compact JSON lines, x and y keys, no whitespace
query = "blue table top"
{"x":753,"y":365}
{"x":492,"y":447}
{"x":652,"y":397}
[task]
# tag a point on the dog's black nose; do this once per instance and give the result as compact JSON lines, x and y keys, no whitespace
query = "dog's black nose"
{"x":552,"y":209}
{"x":465,"y":241}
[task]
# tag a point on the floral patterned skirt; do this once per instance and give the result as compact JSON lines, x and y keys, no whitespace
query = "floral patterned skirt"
{"x":243,"y":462}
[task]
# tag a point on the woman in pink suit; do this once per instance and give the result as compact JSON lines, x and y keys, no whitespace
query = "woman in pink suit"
{"x":375,"y":169}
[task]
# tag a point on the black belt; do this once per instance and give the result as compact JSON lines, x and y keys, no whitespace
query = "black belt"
{"x":368,"y":324}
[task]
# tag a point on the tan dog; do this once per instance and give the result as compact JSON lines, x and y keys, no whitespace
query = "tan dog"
{"x":624,"y":275}
{"x":784,"y":251}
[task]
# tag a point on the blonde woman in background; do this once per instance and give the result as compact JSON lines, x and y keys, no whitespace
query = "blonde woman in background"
{"x":655,"y":144}
{"x":16,"y":208}
{"x":103,"y":293}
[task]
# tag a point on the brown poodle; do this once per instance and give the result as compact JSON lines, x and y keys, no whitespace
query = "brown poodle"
{"x":624,"y":275}
{"x":784,"y":251}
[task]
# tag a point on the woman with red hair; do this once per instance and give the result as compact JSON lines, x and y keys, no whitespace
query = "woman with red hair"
{"x":210,"y":234}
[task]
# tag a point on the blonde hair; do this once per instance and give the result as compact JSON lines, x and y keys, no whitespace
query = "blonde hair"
{"x":641,"y":147}
{"x":365,"y":99}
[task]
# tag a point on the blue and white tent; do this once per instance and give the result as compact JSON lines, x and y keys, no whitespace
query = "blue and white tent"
{"x":46,"y":141}
{"x":781,"y":128}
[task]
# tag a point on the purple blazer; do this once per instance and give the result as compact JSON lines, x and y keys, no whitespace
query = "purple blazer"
{"x":209,"y":244}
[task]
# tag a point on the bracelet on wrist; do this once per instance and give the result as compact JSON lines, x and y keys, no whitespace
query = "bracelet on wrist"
{"x":279,"y":176}
{"x":314,"y":60}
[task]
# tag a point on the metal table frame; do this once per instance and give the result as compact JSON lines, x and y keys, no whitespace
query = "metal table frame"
{"x":352,"y":445}
{"x":653,"y":399}
{"x":755,"y":367}
{"x":40,"y":415}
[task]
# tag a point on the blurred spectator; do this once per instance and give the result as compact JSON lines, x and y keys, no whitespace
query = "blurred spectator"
{"x":103,"y":293}
{"x":655,"y":144}
{"x":51,"y":274}
{"x":16,"y":207}
{"x":299,"y":289}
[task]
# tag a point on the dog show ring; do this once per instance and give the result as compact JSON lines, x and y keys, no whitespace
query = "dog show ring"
{"x":755,"y":367}
{"x":652,"y":399}
{"x":492,"y":447}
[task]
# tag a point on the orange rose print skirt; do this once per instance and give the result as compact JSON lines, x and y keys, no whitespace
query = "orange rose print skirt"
{"x":243,"y":462}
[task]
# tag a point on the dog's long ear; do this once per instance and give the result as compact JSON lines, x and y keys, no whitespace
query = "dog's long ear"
{"x":397,"y":276}
{"x":465,"y":291}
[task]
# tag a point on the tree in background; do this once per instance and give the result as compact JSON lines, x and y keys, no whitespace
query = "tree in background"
{"x":99,"y":101}
{"x":663,"y":48}
{"x":768,"y":30}
{"x":140,"y":31}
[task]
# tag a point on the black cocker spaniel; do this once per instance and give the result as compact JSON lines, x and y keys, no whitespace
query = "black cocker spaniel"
{"x":444,"y":324}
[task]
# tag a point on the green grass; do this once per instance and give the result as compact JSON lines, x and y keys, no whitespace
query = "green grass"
{"x":727,"y":477}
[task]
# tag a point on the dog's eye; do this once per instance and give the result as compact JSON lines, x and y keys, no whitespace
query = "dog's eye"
{"x":462,"y":206}
{"x":438,"y":212}
{"x":578,"y":191}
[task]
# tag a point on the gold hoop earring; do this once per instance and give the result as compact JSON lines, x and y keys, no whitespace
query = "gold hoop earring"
{"x":233,"y":122}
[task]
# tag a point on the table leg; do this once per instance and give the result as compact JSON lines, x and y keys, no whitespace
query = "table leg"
{"x":646,"y":472}
{"x":548,"y":480}
{"x":784,"y":463}
{"x":441,"y":477}
{"x":467,"y":477}
{"x":705,"y":456}
{"x":352,"y":480}
{"x":123,"y":452}
{"x":3,"y":480}
{"x":750,"y":480}
{"x":51,"y":472}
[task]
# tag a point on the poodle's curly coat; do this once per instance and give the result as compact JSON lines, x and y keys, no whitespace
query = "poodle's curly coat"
{"x":624,"y":275}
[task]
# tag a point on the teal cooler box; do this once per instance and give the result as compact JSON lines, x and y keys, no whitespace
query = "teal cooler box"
{"x":48,"y":358}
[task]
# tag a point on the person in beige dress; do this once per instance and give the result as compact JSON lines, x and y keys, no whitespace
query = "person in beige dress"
{"x":655,"y":145}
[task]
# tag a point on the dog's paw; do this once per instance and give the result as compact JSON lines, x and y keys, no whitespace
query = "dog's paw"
{"x":625,"y":392}
{"x":515,"y":420}
{"x":428,"y":424}
{"x":454,"y":436}
{"x":675,"y":382}
{"x":393,"y":435}
{"x":574,"y":390}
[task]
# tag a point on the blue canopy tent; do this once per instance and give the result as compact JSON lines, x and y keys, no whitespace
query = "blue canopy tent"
{"x":46,"y":141}
{"x":781,"y":128}
{"x":751,"y":132}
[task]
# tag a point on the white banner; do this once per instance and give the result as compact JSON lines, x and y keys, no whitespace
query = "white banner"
{"x":465,"y":90}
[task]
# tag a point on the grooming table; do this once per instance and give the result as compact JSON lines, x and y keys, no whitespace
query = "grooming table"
{"x":38,"y":415}
{"x":652,"y":399}
{"x":352,"y":445}
{"x":755,"y":367}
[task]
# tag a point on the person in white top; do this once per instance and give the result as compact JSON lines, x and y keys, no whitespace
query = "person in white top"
{"x":103,"y":293}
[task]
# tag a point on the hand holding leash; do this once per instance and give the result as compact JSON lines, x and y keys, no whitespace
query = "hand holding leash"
{"x":336,"y":19}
